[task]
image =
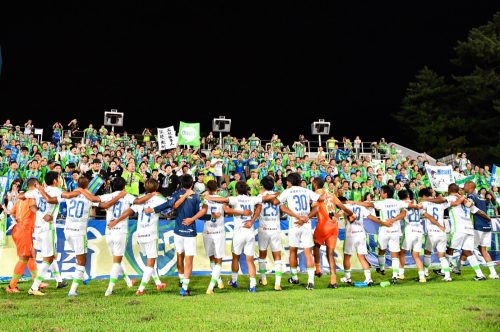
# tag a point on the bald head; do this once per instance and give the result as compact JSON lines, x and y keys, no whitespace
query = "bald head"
{"x":469,"y":187}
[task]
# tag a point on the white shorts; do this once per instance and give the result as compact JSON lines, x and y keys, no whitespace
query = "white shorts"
{"x":149,"y":249}
{"x":185,"y":244}
{"x":244,"y":242}
{"x":117,"y":243}
{"x":462,"y":241}
{"x":436,"y":242}
{"x":300,"y":237}
{"x":215,"y":244}
{"x":412,"y":242}
{"x":482,"y":239}
{"x":268,"y":238}
{"x":389,"y":240}
{"x":46,"y":243}
{"x":355,"y":243}
{"x":77,"y":243}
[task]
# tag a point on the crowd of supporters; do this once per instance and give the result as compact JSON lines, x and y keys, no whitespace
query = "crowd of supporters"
{"x":108,"y":155}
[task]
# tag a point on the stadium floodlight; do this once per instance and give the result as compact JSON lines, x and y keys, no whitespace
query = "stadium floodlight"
{"x":221,"y":125}
{"x":319,"y":128}
{"x":113,"y":118}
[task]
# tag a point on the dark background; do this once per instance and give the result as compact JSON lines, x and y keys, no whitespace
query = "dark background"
{"x":347,"y":62}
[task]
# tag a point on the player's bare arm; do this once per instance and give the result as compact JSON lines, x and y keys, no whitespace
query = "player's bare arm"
{"x":434,"y":221}
{"x":125,"y":214}
{"x":112,"y":202}
{"x":203,"y":211}
{"x":256,"y":214}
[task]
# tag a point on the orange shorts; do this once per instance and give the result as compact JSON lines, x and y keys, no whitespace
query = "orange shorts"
{"x":326,"y":235}
{"x":23,"y":238}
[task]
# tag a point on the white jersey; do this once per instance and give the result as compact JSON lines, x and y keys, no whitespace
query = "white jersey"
{"x":390,"y":208}
{"x":147,"y":224}
{"x":413,"y":225}
{"x":45,"y":208}
{"x":357,"y":227}
{"x":460,"y":217}
{"x":243,"y":202}
{"x":437,"y":212}
{"x":214,"y":225}
{"x":116,"y":210}
{"x":77,"y":217}
{"x":298,"y":200}
{"x":269,"y":218}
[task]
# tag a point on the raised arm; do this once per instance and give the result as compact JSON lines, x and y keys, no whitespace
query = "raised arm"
{"x":145,"y":198}
{"x":344,"y":208}
{"x":181,"y":199}
{"x":365,"y":204}
{"x":217,"y":199}
{"x":46,"y":197}
{"x":157,"y":209}
{"x":89,"y":196}
{"x":113,"y":201}
{"x":438,"y":200}
{"x":66,"y":194}
{"x":229,"y":210}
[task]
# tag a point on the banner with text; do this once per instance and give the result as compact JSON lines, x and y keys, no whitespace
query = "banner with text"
{"x":99,"y":260}
{"x":189,"y":134}
{"x":440,"y":177}
{"x":166,"y":138}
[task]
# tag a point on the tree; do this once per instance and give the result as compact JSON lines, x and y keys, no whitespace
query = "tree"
{"x":460,"y":113}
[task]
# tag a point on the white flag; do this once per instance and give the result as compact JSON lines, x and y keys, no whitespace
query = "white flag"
{"x":440,"y":177}
{"x":166,"y":138}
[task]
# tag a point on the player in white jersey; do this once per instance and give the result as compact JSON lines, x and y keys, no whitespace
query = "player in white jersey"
{"x":388,"y":237}
{"x":269,"y":235}
{"x":147,"y":231}
{"x":355,"y":239}
{"x":462,"y":229}
{"x":298,"y":201}
{"x":436,"y":230}
{"x":116,"y":237}
{"x":214,"y":235}
{"x":413,"y":235}
{"x":45,"y":228}
{"x":75,"y":229}
{"x":243,"y":235}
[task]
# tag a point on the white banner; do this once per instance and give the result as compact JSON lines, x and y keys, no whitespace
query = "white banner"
{"x":440,"y":177}
{"x":166,"y":138}
{"x":3,"y":184}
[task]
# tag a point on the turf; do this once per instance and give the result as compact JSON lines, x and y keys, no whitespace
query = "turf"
{"x":462,"y":305}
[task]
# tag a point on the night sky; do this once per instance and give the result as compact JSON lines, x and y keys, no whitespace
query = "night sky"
{"x":343,"y":61}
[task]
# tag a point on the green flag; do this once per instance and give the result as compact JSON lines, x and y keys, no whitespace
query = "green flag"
{"x":462,"y":181}
{"x":189,"y":134}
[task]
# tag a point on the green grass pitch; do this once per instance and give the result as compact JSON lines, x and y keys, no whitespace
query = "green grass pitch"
{"x":462,"y":305}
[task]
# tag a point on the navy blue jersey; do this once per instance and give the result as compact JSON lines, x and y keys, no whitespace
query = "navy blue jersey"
{"x":480,"y":223}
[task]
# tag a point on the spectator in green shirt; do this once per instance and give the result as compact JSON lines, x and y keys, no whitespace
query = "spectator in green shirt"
{"x":132,"y":179}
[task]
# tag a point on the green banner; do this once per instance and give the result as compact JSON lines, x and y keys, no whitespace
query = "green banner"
{"x":462,"y":181}
{"x":189,"y":134}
